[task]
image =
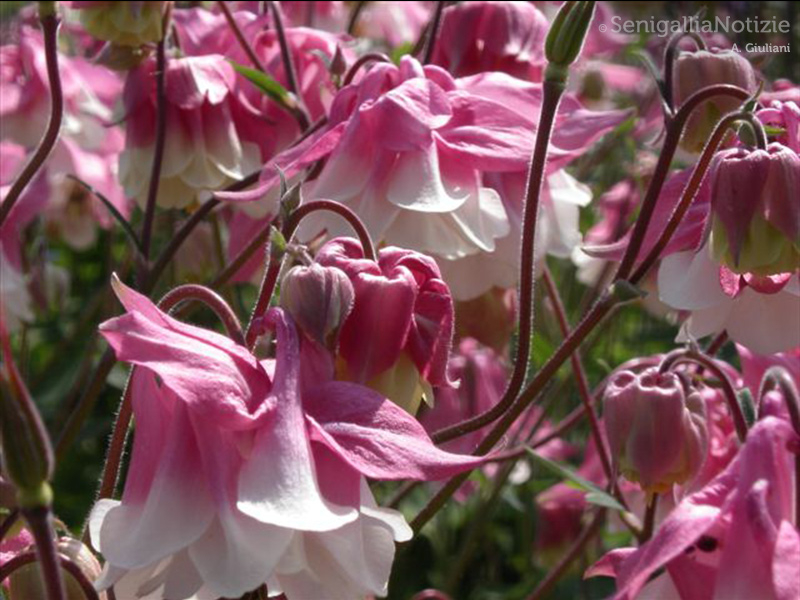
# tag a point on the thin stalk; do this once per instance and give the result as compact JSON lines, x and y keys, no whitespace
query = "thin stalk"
{"x":433,"y":32}
{"x":552,"y":98}
{"x":49,"y":23}
{"x":358,"y":7}
{"x":158,"y":152}
{"x":274,"y":263}
{"x":363,"y":60}
{"x":40,"y":524}
{"x":691,"y":355}
{"x":674,"y":132}
{"x":237,"y":32}
{"x":670,"y":53}
{"x":289,"y":68}
{"x":691,"y":188}
{"x":557,"y":572}
{"x":26,"y":558}
{"x":580,"y":374}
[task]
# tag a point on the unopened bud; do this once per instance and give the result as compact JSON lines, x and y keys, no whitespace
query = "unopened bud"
{"x":318,"y":299}
{"x":26,"y":582}
{"x":27,"y":457}
{"x":693,"y":71}
{"x":567,"y":33}
{"x":755,"y":224}
{"x":657,"y":434}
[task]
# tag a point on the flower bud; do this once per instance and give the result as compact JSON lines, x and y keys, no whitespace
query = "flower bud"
{"x":318,"y":299}
{"x":397,"y":338}
{"x":755,"y":225}
{"x":27,"y":457}
{"x":567,"y":33}
{"x":26,"y":582}
{"x":123,"y":23}
{"x":693,"y":71}
{"x":656,"y":433}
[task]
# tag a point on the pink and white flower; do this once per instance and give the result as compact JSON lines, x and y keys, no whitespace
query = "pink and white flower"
{"x":252,"y":476}
{"x":408,"y":148}
{"x":203,"y":149}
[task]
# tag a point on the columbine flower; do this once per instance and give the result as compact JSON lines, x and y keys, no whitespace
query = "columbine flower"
{"x":476,"y":37}
{"x":755,"y":223}
{"x":246,"y":471}
{"x":404,"y":356}
{"x":656,"y":433}
{"x":735,"y":538}
{"x":692,"y":72}
{"x":203,"y":150}
{"x":408,"y":148}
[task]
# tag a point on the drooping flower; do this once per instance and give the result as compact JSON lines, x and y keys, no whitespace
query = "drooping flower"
{"x":656,"y":432}
{"x":395,"y":22}
{"x":693,"y":71}
{"x":402,"y":357}
{"x":734,"y":538}
{"x":477,"y":37}
{"x":755,"y":222}
{"x":203,"y":150}
{"x":408,"y":148}
{"x":253,"y":475}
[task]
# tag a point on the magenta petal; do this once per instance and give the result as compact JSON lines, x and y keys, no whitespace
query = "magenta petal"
{"x":786,"y":563}
{"x":206,"y":370}
{"x":377,"y":437}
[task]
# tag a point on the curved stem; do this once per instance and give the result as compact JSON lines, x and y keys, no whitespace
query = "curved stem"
{"x":27,"y":558}
{"x":158,"y":152}
{"x":364,"y":60}
{"x":274,"y":263}
{"x":288,"y":66}
{"x":552,"y":97}
{"x":688,"y":194}
{"x":580,"y":375}
{"x":683,"y":355}
{"x":569,"y":557}
{"x":49,"y":24}
{"x":40,"y":524}
{"x":170,"y":300}
{"x":237,"y":32}
{"x":596,"y":314}
{"x":8,"y":523}
{"x":200,"y":293}
{"x":433,"y":32}
{"x":674,"y":132}
{"x":670,"y":53}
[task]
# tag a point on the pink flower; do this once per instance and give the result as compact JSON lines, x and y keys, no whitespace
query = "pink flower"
{"x":656,"y":432}
{"x":693,"y":71}
{"x":203,"y":149}
{"x":408,"y":147}
{"x":245,"y":476}
{"x":476,"y":37}
{"x":786,"y":116}
{"x":755,"y":366}
{"x":405,"y":355}
{"x":735,"y":538}
{"x":755,"y":226}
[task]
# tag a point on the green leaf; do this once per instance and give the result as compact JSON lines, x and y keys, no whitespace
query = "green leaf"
{"x":266,"y":84}
{"x":594,"y":494}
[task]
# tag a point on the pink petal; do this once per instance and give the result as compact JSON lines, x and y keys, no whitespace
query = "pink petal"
{"x":786,"y":563}
{"x":377,"y":437}
{"x":278,"y":483}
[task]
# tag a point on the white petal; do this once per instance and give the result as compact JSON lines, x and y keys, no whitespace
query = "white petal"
{"x":765,"y":323}
{"x":416,"y":184}
{"x":690,"y":281}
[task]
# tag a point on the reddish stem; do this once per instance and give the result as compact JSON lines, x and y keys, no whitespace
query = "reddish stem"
{"x":26,"y":558}
{"x":364,"y":60}
{"x":50,"y":32}
{"x":40,"y":524}
{"x":552,"y":97}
